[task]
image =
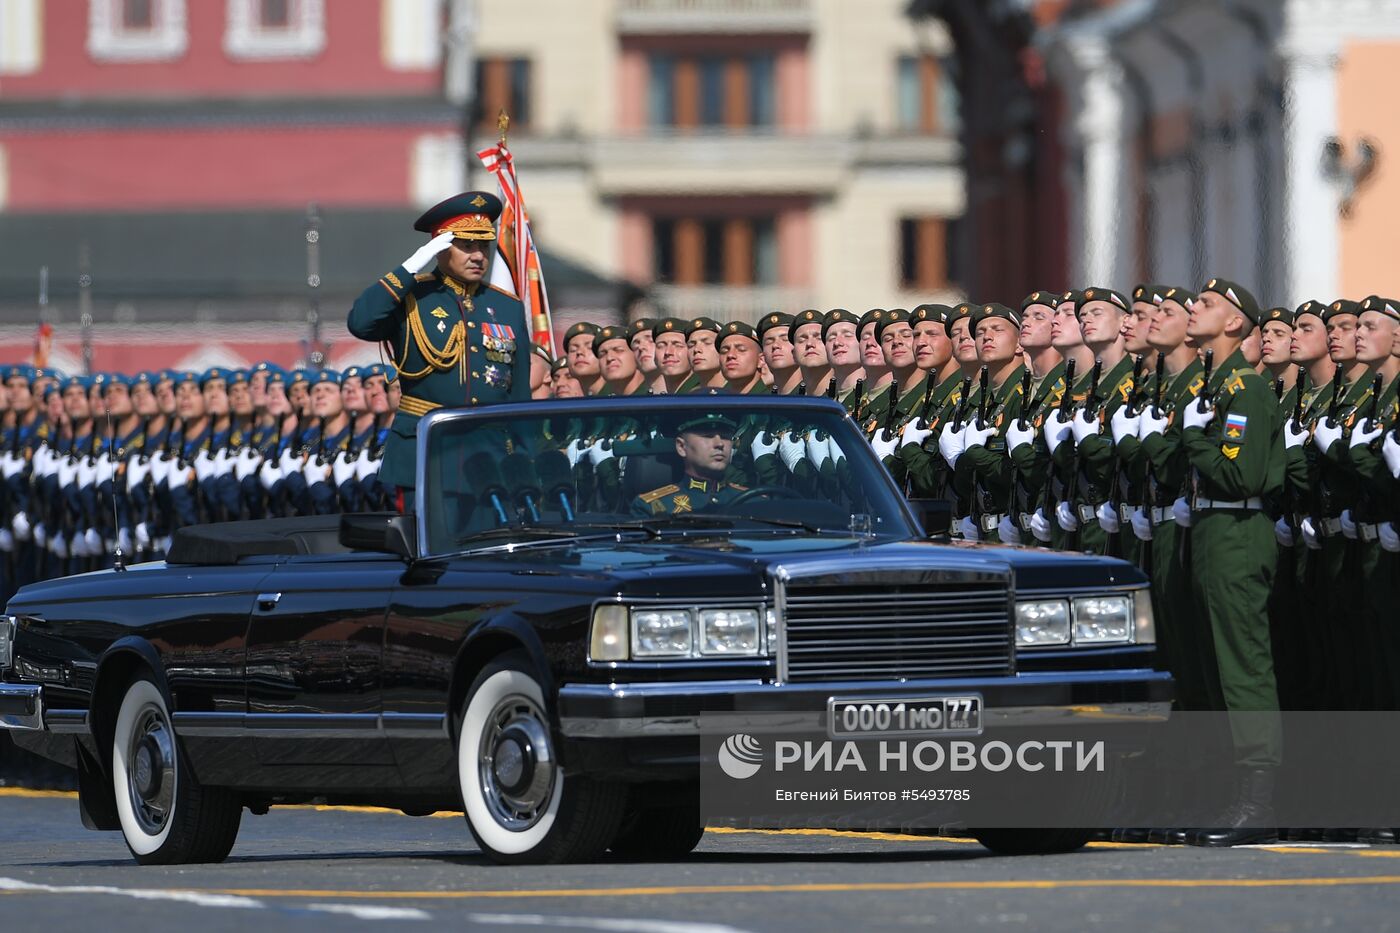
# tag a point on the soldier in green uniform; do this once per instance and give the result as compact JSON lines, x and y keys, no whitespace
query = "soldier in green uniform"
{"x":705,"y":446}
{"x":926,"y":471}
{"x":772,"y":331}
{"x":1275,"y":340}
{"x":618,"y":363}
{"x":872,"y":358}
{"x":581,"y":353}
{"x":739,"y":354}
{"x":701,"y":335}
{"x":455,"y":339}
{"x":1030,"y":458}
{"x":805,"y":334}
{"x":643,"y":344}
{"x":841,"y":334}
{"x":673,"y":356}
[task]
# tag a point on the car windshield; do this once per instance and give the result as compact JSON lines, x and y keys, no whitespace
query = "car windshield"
{"x":657,"y":468}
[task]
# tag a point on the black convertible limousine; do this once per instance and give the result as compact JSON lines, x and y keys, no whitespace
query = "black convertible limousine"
{"x":581,"y":583}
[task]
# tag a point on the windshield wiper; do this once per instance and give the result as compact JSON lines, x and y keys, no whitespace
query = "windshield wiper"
{"x":548,"y":532}
{"x":696,"y":520}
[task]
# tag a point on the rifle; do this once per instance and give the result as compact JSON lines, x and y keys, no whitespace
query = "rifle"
{"x":1157,"y":387}
{"x":1133,"y":397}
{"x":1374,"y":412}
{"x":1026,"y":403}
{"x":801,"y":389}
{"x":891,"y":410}
{"x":1301,"y":386}
{"x":960,"y":413}
{"x":1208,"y":364}
{"x":857,"y":398}
{"x":984,"y":393}
{"x":1091,"y":401}
{"x":1334,"y":406}
{"x":1072,"y":487}
{"x":1278,"y":389}
{"x":930,"y":381}
{"x":831,"y":388}
{"x":1067,"y":399}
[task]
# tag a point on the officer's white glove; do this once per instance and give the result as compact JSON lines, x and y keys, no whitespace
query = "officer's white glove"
{"x":792,"y":450}
{"x":143,"y":536}
{"x":1193,"y":417}
{"x":1142,"y":524}
{"x":203,"y":466}
{"x":1040,"y":526}
{"x":1390,"y":450}
{"x":365,"y":466}
{"x":818,"y":450}
{"x":1007,"y":531}
{"x":1125,"y":424}
{"x":575,"y":451}
{"x":178,"y":476}
{"x":973,"y":436}
{"x":162,"y":544}
{"x":160,"y":469}
{"x":1083,"y":426}
{"x":1310,"y":536}
{"x":1325,"y":435}
{"x":58,"y":545}
{"x":246,"y":463}
{"x":315,"y":472}
{"x":1057,"y":430}
{"x":1181,"y":512}
{"x":1294,"y":434}
{"x":950,"y":443}
{"x":884,"y":446}
{"x":7,"y":540}
{"x":1017,"y":436}
{"x":137,"y":471}
{"x":1107,"y":515}
{"x":1348,"y":525}
{"x":124,"y":542}
{"x":913,"y":434}
{"x":290,"y":462}
{"x":93,"y":540}
{"x":1390,"y":539}
{"x":426,"y":253}
{"x":10,"y":465}
{"x":1065,"y":517}
{"x":1283,"y":531}
{"x":1362,"y":435}
{"x":1150,"y":424}
{"x":342,"y":468}
{"x":969,"y":529}
{"x":41,"y":535}
{"x":764,"y":445}
{"x":270,"y":474}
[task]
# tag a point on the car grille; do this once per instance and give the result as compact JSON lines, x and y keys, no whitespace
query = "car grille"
{"x":839,"y":630}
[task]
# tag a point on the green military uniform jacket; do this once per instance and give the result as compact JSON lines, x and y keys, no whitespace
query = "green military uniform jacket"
{"x":926,"y":472}
{"x":1239,"y":454}
{"x":453,"y":345}
{"x":1031,"y":462}
{"x":690,"y":495}
{"x":1164,"y":454}
{"x":985,"y":473}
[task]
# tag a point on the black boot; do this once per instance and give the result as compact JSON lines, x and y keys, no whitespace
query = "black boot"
{"x":1250,"y":819}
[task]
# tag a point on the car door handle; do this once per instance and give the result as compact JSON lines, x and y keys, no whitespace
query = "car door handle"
{"x":268,"y":601}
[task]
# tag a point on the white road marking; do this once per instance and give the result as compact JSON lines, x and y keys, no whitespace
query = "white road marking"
{"x":611,"y":924}
{"x":372,"y":911}
{"x":198,"y":898}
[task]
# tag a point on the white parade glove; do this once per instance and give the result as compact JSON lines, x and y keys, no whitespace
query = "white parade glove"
{"x":1108,"y":518}
{"x":1181,"y":512}
{"x":1065,"y":517}
{"x":204,"y":466}
{"x":365,"y":466}
{"x":884,"y":447}
{"x":1057,"y":429}
{"x":973,"y":436}
{"x":1017,"y":436}
{"x":178,"y":476}
{"x":1390,"y":540}
{"x":162,"y":543}
{"x":222,"y":459}
{"x":342,"y":468}
{"x":136,"y":472}
{"x":77,"y":545}
{"x":41,"y":535}
{"x":315,"y":472}
{"x":1040,"y":526}
{"x":7,"y":540}
{"x":575,"y":451}
{"x":1294,"y":434}
{"x":67,"y":472}
{"x":87,"y":472}
{"x":1150,"y":424}
{"x":818,"y":451}
{"x":93,"y":540}
{"x":58,"y":545}
{"x":270,"y":474}
{"x":143,"y":536}
{"x":792,"y":449}
{"x":20,"y":524}
{"x":105,"y":471}
{"x":10,"y":465}
{"x":1283,"y":531}
{"x":124,"y":542}
{"x":1142,"y":524}
{"x":950,"y":443}
{"x":762,"y":448}
{"x":1084,"y":426}
{"x":838,"y":456}
{"x":1193,"y":417}
{"x":970,"y":531}
{"x":1362,"y":435}
{"x":160,"y":468}
{"x":426,"y":253}
{"x":290,"y":462}
{"x":1124,"y":424}
{"x":913,"y":434}
{"x":1390,"y":449}
{"x":1325,"y":435}
{"x":1310,"y":536}
{"x":600,"y":451}
{"x":1007,"y":531}
{"x":246,"y":463}
{"x":1348,"y":525}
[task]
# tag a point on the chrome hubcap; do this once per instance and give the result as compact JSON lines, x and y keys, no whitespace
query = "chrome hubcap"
{"x":517,"y":771}
{"x":150,"y":770}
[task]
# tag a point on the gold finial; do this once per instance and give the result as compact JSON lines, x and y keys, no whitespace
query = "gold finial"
{"x":503,"y":124}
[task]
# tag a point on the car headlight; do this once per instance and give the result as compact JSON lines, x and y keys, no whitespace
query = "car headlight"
{"x":729,"y":632}
{"x":1146,"y":623}
{"x":661,"y":633}
{"x":1104,"y":620}
{"x":1042,"y":622}
{"x":607,"y":640}
{"x":7,"y":642}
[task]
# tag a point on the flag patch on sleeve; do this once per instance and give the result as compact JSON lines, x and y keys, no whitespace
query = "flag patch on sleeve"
{"x":1235,"y":426}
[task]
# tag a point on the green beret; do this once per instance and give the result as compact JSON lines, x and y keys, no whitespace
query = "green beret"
{"x":771,"y":320}
{"x":936,"y":313}
{"x":642,"y":325}
{"x":995,"y":310}
{"x":1387,"y":306}
{"x":957,"y":313}
{"x":1339,"y":308}
{"x":1237,"y":295}
{"x":892,"y":316}
{"x":801,"y":319}
{"x":1101,"y":294}
{"x":1180,"y":295}
{"x":1040,"y":297}
{"x":870,"y":317}
{"x":668,"y":324}
{"x":1282,"y":316}
{"x":1073,"y":295}
{"x":542,"y":352}
{"x":739,"y":328}
{"x":839,"y":316}
{"x":1315,"y":308}
{"x":702,"y":323}
{"x":611,"y":332}
{"x":1152,"y":294}
{"x":558,"y":364}
{"x":582,"y":327}
{"x":710,"y":419}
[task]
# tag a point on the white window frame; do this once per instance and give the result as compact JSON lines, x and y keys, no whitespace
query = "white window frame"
{"x":246,"y":39}
{"x":110,"y":41}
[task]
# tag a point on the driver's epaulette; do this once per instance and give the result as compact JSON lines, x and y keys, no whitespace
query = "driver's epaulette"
{"x":650,"y":497}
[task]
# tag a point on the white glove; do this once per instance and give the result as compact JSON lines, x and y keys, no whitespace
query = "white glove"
{"x":1057,"y":429}
{"x":124,"y":541}
{"x":427,"y":253}
{"x":342,"y":468}
{"x":838,"y":456}
{"x":818,"y":450}
{"x":1390,"y":449}
{"x":1294,"y":434}
{"x":1325,"y":435}
{"x":1390,"y":540}
{"x":7,"y":540}
{"x":1108,"y":518}
{"x":160,"y":468}
{"x":970,"y":531}
{"x":1348,"y":525}
{"x":884,"y":447}
{"x":105,"y":471}
{"x":1007,"y":531}
{"x":600,"y":451}
{"x":87,"y":471}
{"x":1283,"y":531}
{"x":1124,"y":424}
{"x":950,"y":443}
{"x":1193,"y":417}
{"x":143,"y":536}
{"x":178,"y":477}
{"x":203,"y":466}
{"x":20,"y":524}
{"x":1017,"y":436}
{"x":246,"y":463}
{"x":222,"y":459}
{"x":760,"y":448}
{"x":67,"y":472}
{"x":973,"y":436}
{"x":1040,"y":526}
{"x":270,"y":474}
{"x":93,"y":540}
{"x":365,"y":466}
{"x":315,"y":472}
{"x":136,"y":472}
{"x":1083,"y":426}
{"x":913,"y":434}
{"x":10,"y":465}
{"x":41,"y":535}
{"x":289,"y":462}
{"x":1181,"y":512}
{"x":792,"y":449}
{"x":1362,"y":435}
{"x":1142,"y":524}
{"x":58,"y":545}
{"x":575,"y":451}
{"x":1150,"y":424}
{"x":1065,"y":517}
{"x":1310,"y":536}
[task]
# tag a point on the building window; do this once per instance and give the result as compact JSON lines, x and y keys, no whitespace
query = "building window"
{"x":711,"y":91}
{"x":661,"y":91}
{"x":737,"y":251}
{"x":926,"y":95}
{"x":275,"y":29}
{"x":501,"y":83}
{"x":136,"y":30}
{"x":924,"y":253}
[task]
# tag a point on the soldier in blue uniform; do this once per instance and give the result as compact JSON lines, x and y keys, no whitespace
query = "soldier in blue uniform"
{"x":455,"y":339}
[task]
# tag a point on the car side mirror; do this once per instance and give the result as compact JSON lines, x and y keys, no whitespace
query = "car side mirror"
{"x":935,"y":516}
{"x":380,"y":531}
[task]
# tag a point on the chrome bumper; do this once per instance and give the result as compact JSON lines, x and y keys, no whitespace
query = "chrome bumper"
{"x":22,"y":707}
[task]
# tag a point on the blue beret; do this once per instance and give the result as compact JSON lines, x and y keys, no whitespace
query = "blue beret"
{"x":236,"y":376}
{"x":326,"y":376}
{"x":276,"y":375}
{"x":353,"y":372}
{"x":184,"y":377}
{"x":77,"y":382}
{"x":299,"y":375}
{"x":391,"y":372}
{"x":212,"y":373}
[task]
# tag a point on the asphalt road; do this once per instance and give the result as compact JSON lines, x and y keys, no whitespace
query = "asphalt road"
{"x":356,"y":869}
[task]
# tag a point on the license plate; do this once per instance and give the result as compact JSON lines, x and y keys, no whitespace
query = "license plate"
{"x":858,"y":717}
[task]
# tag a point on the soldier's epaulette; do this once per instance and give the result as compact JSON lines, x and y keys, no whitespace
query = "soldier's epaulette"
{"x":424,"y":277}
{"x":1195,"y":387}
{"x":1233,"y":384}
{"x":497,"y":288}
{"x":1125,"y":388}
{"x":650,"y":497}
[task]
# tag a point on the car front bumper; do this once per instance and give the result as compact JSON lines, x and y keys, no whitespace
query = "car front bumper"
{"x":21,"y":707}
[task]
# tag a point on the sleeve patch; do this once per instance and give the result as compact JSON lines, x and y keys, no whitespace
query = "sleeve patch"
{"x":1231,"y":451}
{"x":1235,"y":426}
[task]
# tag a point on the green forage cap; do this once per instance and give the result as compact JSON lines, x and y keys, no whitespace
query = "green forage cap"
{"x":1041,"y":297}
{"x":1152,"y":294}
{"x":611,"y":332}
{"x":1341,"y":307}
{"x":1101,"y":294}
{"x":936,"y":313}
{"x":957,"y":313}
{"x":801,"y":319}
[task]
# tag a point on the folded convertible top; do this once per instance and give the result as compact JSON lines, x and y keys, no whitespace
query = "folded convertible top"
{"x":227,"y":542}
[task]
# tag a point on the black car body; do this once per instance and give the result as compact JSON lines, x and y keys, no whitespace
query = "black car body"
{"x":336,"y":658}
